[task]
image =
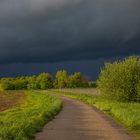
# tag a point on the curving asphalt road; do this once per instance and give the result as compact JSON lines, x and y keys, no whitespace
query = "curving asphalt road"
{"x":78,"y":121}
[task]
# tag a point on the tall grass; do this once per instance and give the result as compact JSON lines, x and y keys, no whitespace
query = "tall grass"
{"x":127,"y":113}
{"x":22,"y":122}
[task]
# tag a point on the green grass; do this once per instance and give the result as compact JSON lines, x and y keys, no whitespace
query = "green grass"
{"x":85,"y":91}
{"x":126,"y":113}
{"x":22,"y":122}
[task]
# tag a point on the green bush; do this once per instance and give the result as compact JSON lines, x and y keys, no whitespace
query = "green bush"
{"x":77,"y":80}
{"x":7,"y":84}
{"x":45,"y":81}
{"x":32,"y":83}
{"x":120,"y":80}
{"x":61,"y":79}
{"x":92,"y":84}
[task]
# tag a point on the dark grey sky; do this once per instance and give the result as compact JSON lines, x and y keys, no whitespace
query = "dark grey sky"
{"x":62,"y":33}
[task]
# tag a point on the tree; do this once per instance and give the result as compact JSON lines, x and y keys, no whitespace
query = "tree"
{"x":32,"y":84}
{"x":61,"y":79}
{"x":77,"y":80}
{"x":7,"y":84}
{"x":20,"y":83}
{"x":119,"y":81}
{"x":92,"y":84}
{"x":45,"y":81}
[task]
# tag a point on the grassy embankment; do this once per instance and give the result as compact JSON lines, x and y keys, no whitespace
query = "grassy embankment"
{"x":23,"y":120}
{"x":126,"y":113}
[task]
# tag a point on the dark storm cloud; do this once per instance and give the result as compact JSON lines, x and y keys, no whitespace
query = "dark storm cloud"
{"x":61,"y":30}
{"x":90,"y":68}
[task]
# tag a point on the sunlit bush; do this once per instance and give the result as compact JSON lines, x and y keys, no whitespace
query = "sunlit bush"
{"x":120,"y":80}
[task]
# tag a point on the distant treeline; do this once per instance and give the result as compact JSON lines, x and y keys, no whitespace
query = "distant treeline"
{"x":46,"y":81}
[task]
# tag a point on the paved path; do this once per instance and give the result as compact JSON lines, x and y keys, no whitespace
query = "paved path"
{"x":78,"y":121}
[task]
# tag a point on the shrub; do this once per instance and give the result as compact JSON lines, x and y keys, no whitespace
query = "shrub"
{"x":32,"y":84}
{"x":92,"y":84}
{"x":45,"y":81}
{"x":61,"y":79}
{"x":119,"y":80}
{"x":77,"y":80}
{"x":7,"y":84}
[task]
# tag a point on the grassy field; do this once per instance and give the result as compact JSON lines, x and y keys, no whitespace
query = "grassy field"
{"x":85,"y":91}
{"x":24,"y":120}
{"x":127,"y":114}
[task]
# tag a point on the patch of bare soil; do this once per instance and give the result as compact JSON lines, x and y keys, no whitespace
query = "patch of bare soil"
{"x":10,"y":99}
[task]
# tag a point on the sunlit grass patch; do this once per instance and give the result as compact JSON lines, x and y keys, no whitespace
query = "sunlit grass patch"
{"x":20,"y":123}
{"x":85,"y":91}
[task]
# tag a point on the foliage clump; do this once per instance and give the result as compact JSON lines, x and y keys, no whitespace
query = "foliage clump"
{"x":61,"y":79}
{"x":121,"y":80}
{"x":77,"y":80}
{"x":45,"y":81}
{"x":42,"y":81}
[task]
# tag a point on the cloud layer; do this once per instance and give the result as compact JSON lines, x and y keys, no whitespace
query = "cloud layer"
{"x":61,"y":30}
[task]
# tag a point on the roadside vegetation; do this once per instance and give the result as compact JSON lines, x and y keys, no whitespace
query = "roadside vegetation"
{"x":126,"y":113}
{"x":121,"y":80}
{"x":24,"y":120}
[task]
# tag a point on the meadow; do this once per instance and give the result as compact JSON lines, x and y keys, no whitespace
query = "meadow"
{"x":85,"y":91}
{"x":22,"y":121}
{"x":125,"y":113}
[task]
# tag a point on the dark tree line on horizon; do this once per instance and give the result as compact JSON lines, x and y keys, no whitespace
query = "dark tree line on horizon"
{"x":46,"y":81}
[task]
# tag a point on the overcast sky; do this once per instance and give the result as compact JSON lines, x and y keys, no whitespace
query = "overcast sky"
{"x":41,"y":35}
